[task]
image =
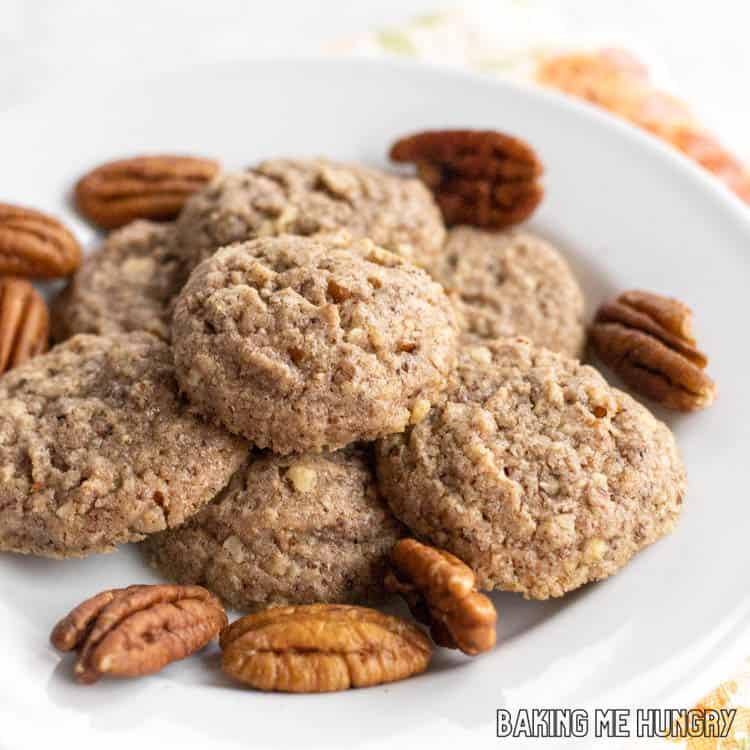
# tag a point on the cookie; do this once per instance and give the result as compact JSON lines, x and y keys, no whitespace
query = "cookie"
{"x":512,"y":284}
{"x":303,"y":344}
{"x":128,"y":284}
{"x":534,"y":471}
{"x":96,"y":448}
{"x":311,"y":196}
{"x":287,"y":530}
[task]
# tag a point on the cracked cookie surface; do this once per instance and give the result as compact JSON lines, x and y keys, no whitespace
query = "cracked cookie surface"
{"x":534,"y":471}
{"x":96,"y":448}
{"x":312,"y":196}
{"x":128,"y":284}
{"x":303,"y":344}
{"x":512,"y":284}
{"x":287,"y":530}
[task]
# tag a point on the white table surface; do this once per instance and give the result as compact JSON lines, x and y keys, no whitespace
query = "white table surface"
{"x":704,"y":46}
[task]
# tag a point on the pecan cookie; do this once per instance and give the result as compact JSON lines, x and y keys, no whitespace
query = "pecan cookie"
{"x":303,"y":344}
{"x":512,"y":284}
{"x":311,"y":196}
{"x":96,"y":448}
{"x":534,"y":471}
{"x":128,"y":284}
{"x":287,"y":530}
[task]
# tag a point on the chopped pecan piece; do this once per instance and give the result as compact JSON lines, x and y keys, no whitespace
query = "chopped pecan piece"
{"x":478,"y":177}
{"x":648,"y":341}
{"x":440,"y":591}
{"x":138,"y":630}
{"x":319,"y":648}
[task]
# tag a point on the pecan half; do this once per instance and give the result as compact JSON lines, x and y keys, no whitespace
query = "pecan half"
{"x":478,"y":177}
{"x":144,"y":187}
{"x":648,"y":341}
{"x":440,"y":591}
{"x":35,"y":244}
{"x":138,"y":630}
{"x":322,"y":647}
{"x":24,"y":322}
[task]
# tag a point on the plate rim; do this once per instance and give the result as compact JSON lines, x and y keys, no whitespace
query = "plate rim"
{"x":626,"y":130}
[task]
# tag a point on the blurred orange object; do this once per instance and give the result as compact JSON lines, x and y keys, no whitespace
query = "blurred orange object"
{"x":618,"y":82}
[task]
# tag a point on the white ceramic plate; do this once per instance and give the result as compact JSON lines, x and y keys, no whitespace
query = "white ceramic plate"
{"x":628,"y":212}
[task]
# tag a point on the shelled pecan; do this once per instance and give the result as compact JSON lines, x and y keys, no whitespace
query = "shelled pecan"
{"x":478,"y":177}
{"x":138,"y":630}
{"x":648,"y":341}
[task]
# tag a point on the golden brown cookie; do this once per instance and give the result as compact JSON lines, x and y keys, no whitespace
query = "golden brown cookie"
{"x":303,"y":344}
{"x":287,"y":530}
{"x":97,"y":449}
{"x":312,"y":196}
{"x":534,"y":471}
{"x":128,"y":284}
{"x":512,"y":284}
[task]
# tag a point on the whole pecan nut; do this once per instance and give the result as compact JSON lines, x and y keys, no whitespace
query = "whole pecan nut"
{"x":138,"y":630}
{"x":320,"y":648}
{"x":35,"y":244}
{"x":143,"y":187}
{"x":24,"y":322}
{"x":440,"y":591}
{"x":648,"y":341}
{"x":478,"y":177}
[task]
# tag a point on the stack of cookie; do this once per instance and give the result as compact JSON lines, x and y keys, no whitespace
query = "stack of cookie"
{"x":306,"y":366}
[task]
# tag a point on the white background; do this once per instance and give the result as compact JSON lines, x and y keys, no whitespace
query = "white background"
{"x":704,"y":46}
